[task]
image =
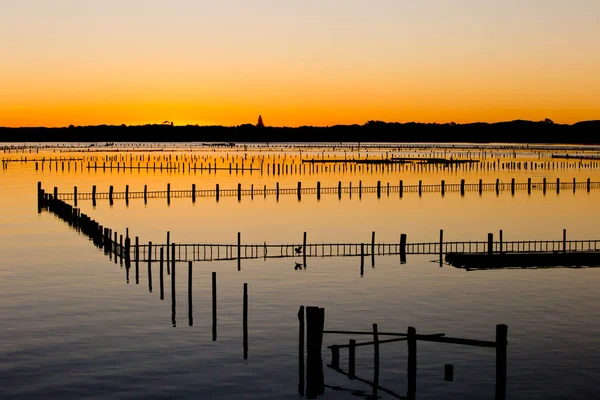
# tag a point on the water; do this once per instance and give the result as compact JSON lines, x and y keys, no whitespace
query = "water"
{"x":73,"y":326}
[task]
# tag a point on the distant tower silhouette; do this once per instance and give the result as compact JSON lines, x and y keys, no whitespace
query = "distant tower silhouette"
{"x":260,"y":123}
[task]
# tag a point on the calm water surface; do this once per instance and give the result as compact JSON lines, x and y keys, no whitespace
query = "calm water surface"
{"x":73,"y":325}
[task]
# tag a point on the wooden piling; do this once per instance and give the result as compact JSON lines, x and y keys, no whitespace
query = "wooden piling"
{"x":403,"y":248}
{"x":564,"y":245}
{"x":161,"y":270}
{"x":501,"y":344}
{"x":318,"y":190}
{"x":411,"y":340}
{"x":190,"y":308}
{"x":441,"y":246}
{"x":339,"y":189}
{"x":420,"y":187}
{"x":462,"y":187}
{"x":214,"y":306}
{"x":500,"y":241}
{"x":528,"y":185}
{"x":512,"y":186}
{"x":75,"y":196}
{"x":400,"y":188}
{"x":480,"y":186}
{"x":304,"y":250}
{"x":588,"y":185}
{"x":301,"y":351}
{"x":239,"y":192}
{"x":557,"y":185}
{"x":448,"y":372}
{"x":490,"y":245}
{"x":373,"y":249}
{"x":544,"y":185}
{"x":245,"y":321}
{"x":362,"y":259}
{"x":239,"y":251}
{"x":352,"y":359}
{"x":173,"y":296}
{"x":315,"y":319}
{"x":443,"y":187}
{"x":378,"y":189}
{"x":299,"y":190}
{"x":110,"y":194}
{"x":193,"y":192}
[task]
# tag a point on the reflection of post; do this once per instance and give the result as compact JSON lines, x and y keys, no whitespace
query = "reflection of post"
{"x":245,"y":321}
{"x":301,"y":351}
{"x":352,"y":359}
{"x":190,"y":312}
{"x":315,"y":319}
{"x":162,"y":286}
{"x":173,"y":301}
{"x":214,"y":306}
{"x":501,"y":334}
{"x":412,"y":363}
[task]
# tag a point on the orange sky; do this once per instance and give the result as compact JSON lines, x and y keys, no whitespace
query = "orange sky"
{"x":297,"y":63}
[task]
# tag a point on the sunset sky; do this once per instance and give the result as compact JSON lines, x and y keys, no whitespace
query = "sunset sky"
{"x":308,"y":62}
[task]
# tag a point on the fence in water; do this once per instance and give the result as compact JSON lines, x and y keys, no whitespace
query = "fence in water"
{"x":339,"y":190}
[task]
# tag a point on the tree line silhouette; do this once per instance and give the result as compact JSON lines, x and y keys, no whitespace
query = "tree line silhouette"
{"x":518,"y":131}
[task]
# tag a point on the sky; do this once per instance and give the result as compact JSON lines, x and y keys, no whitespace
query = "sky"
{"x":297,"y":62}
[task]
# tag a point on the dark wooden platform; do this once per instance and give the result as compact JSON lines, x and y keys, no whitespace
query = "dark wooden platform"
{"x":476,"y":261}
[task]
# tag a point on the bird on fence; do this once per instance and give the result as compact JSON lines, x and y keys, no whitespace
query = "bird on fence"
{"x":298,"y":249}
{"x":297,"y":266}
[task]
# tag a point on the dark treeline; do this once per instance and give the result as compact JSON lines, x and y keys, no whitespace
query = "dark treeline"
{"x":373,"y":131}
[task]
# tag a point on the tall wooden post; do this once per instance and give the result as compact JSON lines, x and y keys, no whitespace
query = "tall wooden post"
{"x":299,"y":190}
{"x":239,"y":192}
{"x":214,"y":306}
{"x":400,"y":188}
{"x":245,"y":321}
{"x":190,"y":308}
{"x":352,"y":359}
{"x":378,"y":189}
{"x":373,"y":249}
{"x":75,"y":196}
{"x":315,"y":320}
{"x":501,"y":357}
{"x":145,"y":194}
{"x":411,"y":341}
{"x":403,"y":248}
{"x":304,"y":249}
{"x":462,"y":187}
{"x":301,"y":351}
{"x":564,"y":246}
{"x":443,"y":187}
{"x":161,"y":270}
{"x":193,"y":192}
{"x":217,"y":192}
{"x":490,"y":249}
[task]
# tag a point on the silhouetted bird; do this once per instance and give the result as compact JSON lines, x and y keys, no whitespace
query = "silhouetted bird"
{"x":298,"y":249}
{"x":297,"y":266}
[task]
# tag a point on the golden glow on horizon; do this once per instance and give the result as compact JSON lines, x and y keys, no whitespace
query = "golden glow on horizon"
{"x":309,"y":65}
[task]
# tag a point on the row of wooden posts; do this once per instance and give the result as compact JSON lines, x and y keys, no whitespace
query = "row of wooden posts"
{"x":102,"y":237}
{"x":315,"y":330}
{"x":359,"y":189}
{"x":285,"y":168}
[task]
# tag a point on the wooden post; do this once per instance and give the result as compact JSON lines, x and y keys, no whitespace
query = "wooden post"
{"x":378,"y":189}
{"x":500,"y":241}
{"x":301,"y":351}
{"x":420,"y":187}
{"x":173,"y":297}
{"x":512,"y":186}
{"x":299,"y":190}
{"x":480,"y":186}
{"x":217,"y":192}
{"x":443,"y":187}
{"x":403,"y":248}
{"x":339,"y":189}
{"x":149,"y":263}
{"x":362,"y":259}
{"x":55,"y":193}
{"x":588,"y":185}
{"x":359,"y":189}
{"x":214,"y":306}
{"x":448,"y":372}
{"x":110,"y":194}
{"x":304,"y":250}
{"x":490,"y":249}
{"x":462,"y":187}
{"x":190,"y":309}
{"x":352,"y":359}
{"x":172,"y":257}
{"x":335,"y":357}
{"x":75,"y":196}
{"x":162,"y":287}
{"x":318,"y":190}
{"x":168,"y":193}
{"x":497,"y":185}
{"x":528,"y":185}
{"x":441,"y":246}
{"x":145,"y":194}
{"x":373,"y":249}
{"x":501,"y":344}
{"x":564,"y":246}
{"x":315,"y":320}
{"x":239,"y":192}
{"x":401,"y":188}
{"x":193,"y":192}
{"x":557,"y":185}
{"x":239,"y":251}
{"x":245,"y":321}
{"x":412,"y":362}
{"x":574,"y":185}
{"x":544,"y":186}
